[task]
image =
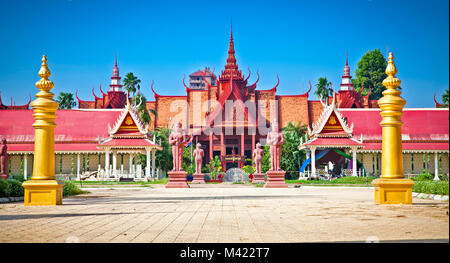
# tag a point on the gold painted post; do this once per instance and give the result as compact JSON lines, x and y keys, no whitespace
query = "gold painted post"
{"x":392,"y":187}
{"x":43,"y":189}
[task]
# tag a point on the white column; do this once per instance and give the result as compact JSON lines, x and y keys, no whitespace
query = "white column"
{"x":436,"y":167}
{"x":354,"y":163}
{"x":147,"y":168}
{"x":107,"y":164}
{"x":153,"y":162}
{"x":25,"y":167}
{"x":130,"y":168}
{"x":313,"y":162}
{"x":78,"y":166}
{"x":114,"y":171}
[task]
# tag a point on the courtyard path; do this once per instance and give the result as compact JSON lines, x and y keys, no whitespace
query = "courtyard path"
{"x":221,"y":213}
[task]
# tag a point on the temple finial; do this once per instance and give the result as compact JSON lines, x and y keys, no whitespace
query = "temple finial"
{"x":391,"y":82}
{"x":231,"y":28}
{"x":44,"y":83}
{"x":346,"y":57}
{"x":116,"y":60}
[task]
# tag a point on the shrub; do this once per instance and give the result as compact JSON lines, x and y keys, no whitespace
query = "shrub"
{"x":5,"y":188}
{"x":71,"y":189}
{"x":424,"y":177}
{"x":431,"y":187}
{"x":16,"y":188}
{"x":11,"y":188}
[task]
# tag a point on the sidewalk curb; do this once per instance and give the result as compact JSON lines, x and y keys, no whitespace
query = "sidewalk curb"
{"x":430,"y":196}
{"x":10,"y":199}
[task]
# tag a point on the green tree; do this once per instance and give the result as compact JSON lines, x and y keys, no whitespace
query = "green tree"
{"x":144,"y":113}
{"x":323,"y":90}
{"x":164,"y":157}
{"x":188,"y":164}
{"x":214,"y":167}
{"x":265,"y":163}
{"x":290,"y":154}
{"x":66,"y":100}
{"x":131,"y":83}
{"x":445,"y":101}
{"x":371,"y":72}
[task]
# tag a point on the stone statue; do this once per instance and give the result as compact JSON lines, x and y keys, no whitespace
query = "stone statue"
{"x":199,"y":177}
{"x":178,"y":140}
{"x":198,"y":155}
{"x":258,"y":155}
{"x":275,"y":139}
{"x":3,"y":159}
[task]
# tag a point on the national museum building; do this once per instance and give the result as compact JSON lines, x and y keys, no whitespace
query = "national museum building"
{"x":228,"y":116}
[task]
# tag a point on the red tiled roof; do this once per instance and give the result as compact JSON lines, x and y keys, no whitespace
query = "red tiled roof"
{"x":128,"y":142}
{"x":338,"y":142}
{"x":418,"y":124}
{"x":71,"y":125}
{"x":423,"y":129}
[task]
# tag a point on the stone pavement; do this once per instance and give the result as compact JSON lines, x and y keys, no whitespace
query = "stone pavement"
{"x":224,"y":213}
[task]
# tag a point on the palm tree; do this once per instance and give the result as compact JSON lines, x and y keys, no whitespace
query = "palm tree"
{"x":297,"y":128}
{"x":323,"y":91}
{"x":131,"y":83}
{"x":144,"y":113}
{"x":445,"y":99}
{"x":66,"y":100}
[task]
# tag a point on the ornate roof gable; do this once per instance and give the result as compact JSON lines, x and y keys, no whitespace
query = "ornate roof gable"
{"x":331,"y":123}
{"x":128,"y":120}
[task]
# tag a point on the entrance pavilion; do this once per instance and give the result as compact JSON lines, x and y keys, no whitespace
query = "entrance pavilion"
{"x":332,"y":135}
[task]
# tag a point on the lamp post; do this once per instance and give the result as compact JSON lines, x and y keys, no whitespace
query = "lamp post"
{"x":43,"y":189}
{"x":392,"y":187}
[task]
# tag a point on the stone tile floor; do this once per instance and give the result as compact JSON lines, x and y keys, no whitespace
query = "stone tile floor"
{"x":221,"y":213}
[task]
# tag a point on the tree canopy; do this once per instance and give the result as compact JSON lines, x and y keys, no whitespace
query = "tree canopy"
{"x":66,"y":100}
{"x":131,"y":83}
{"x":445,"y":101}
{"x":141,"y":102}
{"x":323,"y":90}
{"x":371,"y":72}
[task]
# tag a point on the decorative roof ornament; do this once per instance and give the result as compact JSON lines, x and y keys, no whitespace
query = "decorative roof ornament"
{"x":318,"y":125}
{"x":143,"y":128}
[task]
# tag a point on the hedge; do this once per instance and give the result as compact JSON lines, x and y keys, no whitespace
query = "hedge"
{"x":14,"y":188}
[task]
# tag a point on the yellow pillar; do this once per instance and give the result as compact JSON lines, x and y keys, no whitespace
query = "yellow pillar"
{"x":392,"y":187}
{"x":43,"y":189}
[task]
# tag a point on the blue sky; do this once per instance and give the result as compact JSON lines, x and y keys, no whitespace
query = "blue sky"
{"x":163,"y":40}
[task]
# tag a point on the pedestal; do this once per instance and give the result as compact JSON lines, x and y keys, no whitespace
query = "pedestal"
{"x":258,"y":178}
{"x":275,"y":179}
{"x":43,"y":192}
{"x":177,"y":179}
{"x":4,"y":176}
{"x":393,"y":191}
{"x":198,"y":179}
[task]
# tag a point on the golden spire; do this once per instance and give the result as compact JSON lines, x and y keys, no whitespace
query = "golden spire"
{"x":392,"y":187}
{"x":43,"y":189}
{"x":44,"y":84}
{"x":391,"y":82}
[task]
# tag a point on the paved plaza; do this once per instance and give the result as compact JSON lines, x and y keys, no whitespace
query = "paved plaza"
{"x":224,"y":213}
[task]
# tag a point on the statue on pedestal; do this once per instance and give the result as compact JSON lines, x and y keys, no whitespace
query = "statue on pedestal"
{"x":275,"y":139}
{"x":275,"y":176}
{"x":177,"y":177}
{"x":258,"y":155}
{"x":3,"y":159}
{"x":199,"y":177}
{"x":198,"y":155}
{"x":178,"y":140}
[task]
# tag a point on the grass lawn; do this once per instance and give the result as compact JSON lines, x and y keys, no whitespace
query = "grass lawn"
{"x":345,"y":181}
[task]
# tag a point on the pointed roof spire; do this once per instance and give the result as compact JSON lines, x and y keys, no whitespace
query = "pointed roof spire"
{"x":231,"y":67}
{"x":346,"y":58}
{"x":115,"y":65}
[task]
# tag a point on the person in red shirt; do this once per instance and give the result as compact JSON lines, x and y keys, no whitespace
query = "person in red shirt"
{"x":250,"y":177}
